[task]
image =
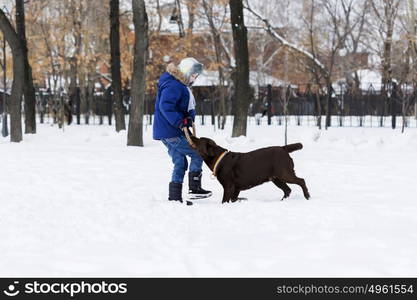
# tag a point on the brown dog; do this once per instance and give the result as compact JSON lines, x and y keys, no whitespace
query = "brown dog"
{"x":241,"y":171}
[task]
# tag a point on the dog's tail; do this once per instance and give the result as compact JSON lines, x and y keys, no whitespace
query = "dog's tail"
{"x":293,"y":147}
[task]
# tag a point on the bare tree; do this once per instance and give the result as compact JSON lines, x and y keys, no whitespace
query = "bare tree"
{"x":413,"y":46}
{"x":340,"y":28}
{"x":285,"y":97}
{"x":298,"y":49}
{"x":18,"y":77}
{"x":315,"y":65}
{"x":354,"y":40}
{"x":179,"y":18}
{"x":28,"y":88}
{"x":409,"y":80}
{"x":115,"y":65}
{"x":242,"y":89}
{"x":191,"y":9}
{"x":411,"y":30}
{"x":218,"y":49}
{"x":4,"y":128}
{"x":312,"y":67}
{"x":386,"y":13}
{"x":407,"y":98}
{"x":158,"y":11}
{"x":320,"y":60}
{"x":140,"y":21}
{"x":77,"y":13}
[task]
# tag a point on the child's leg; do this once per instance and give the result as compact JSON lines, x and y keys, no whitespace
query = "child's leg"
{"x":178,"y":159}
{"x":195,"y":191}
{"x":196,"y":160}
{"x":180,"y":166}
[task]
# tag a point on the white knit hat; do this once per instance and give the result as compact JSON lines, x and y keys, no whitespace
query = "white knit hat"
{"x":189,"y":66}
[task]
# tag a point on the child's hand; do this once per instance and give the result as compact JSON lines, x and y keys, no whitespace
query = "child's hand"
{"x":186,"y":122}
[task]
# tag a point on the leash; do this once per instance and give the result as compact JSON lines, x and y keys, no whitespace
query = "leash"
{"x":187,"y":134}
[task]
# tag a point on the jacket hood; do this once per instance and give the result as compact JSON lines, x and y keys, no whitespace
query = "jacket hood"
{"x":173,"y":70}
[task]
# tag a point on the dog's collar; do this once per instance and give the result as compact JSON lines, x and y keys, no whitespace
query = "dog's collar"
{"x":219,"y":159}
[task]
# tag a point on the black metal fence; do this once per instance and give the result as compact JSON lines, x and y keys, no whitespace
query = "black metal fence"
{"x":396,"y":102}
{"x":360,"y":103}
{"x":369,"y":102}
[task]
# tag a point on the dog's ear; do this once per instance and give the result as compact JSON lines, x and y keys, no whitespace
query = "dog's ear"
{"x":209,"y":149}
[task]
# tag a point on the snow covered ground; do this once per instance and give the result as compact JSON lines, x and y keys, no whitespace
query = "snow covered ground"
{"x":81,"y":203}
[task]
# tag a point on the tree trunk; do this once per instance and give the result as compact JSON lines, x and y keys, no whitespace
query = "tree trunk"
{"x":83,"y":96}
{"x":218,"y":51}
{"x":179,"y":19}
{"x":28,"y":88}
{"x":269,"y":101}
{"x":158,"y":10}
{"x":77,"y":19}
{"x":286,"y":97}
{"x":18,"y":78}
{"x":90,"y":97}
{"x":77,"y":105}
{"x":390,"y":12}
{"x":115,"y":65}
{"x":140,"y":21}
{"x":386,"y":62}
{"x":191,"y":7}
{"x":73,"y":86}
{"x":318,"y":111}
{"x":393,"y":100}
{"x":4,"y":128}
{"x":413,"y":41}
{"x":386,"y":71}
{"x":242,"y":89}
{"x":329,"y":104}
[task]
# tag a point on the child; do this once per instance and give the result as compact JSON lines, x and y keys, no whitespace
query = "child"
{"x":174,"y":109}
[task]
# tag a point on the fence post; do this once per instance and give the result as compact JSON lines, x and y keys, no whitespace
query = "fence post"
{"x":361,"y":105}
{"x":371,"y":91}
{"x":202,"y":111}
{"x":269,"y":101}
{"x":393,"y":105}
{"x":78,"y":105}
{"x":298,"y":113}
{"x":213,"y":119}
{"x":109,"y":103}
{"x":41,"y":106}
{"x":329,"y":106}
{"x":384,"y":100}
{"x":342,"y":103}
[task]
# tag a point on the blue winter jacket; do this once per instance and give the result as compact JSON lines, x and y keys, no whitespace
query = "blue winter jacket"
{"x":171,"y":107}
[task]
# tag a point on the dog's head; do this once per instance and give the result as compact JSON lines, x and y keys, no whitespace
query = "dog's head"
{"x":206,"y":147}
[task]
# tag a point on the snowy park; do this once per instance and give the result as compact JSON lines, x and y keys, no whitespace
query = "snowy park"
{"x":79,"y":202}
{"x":228,"y":139}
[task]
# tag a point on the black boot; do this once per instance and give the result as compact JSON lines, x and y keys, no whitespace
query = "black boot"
{"x":195,"y":191}
{"x":175,"y":192}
